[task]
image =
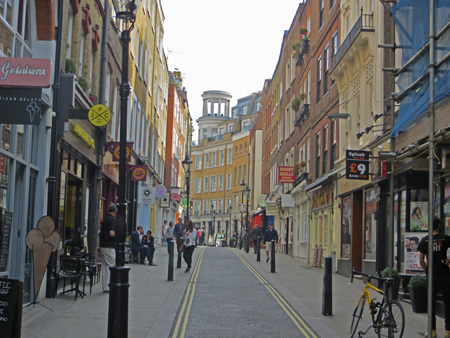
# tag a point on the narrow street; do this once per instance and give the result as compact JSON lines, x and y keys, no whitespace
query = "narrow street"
{"x":227,"y":297}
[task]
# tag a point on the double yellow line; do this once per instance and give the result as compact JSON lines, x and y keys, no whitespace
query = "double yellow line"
{"x":298,"y":321}
{"x":187,"y":302}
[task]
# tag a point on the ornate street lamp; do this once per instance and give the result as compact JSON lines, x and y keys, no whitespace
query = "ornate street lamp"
{"x":187,"y":169}
{"x":119,"y":283}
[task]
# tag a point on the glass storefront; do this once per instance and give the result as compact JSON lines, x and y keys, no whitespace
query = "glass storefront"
{"x":346,"y":227}
{"x":371,"y":225}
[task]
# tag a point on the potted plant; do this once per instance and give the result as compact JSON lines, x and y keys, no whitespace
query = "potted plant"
{"x":389,"y":272}
{"x":70,"y":66}
{"x":296,"y":104}
{"x":84,"y":84}
{"x":418,"y":293}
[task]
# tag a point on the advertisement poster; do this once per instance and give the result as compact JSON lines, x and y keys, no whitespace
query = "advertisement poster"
{"x":419,"y":216}
{"x":412,"y":255}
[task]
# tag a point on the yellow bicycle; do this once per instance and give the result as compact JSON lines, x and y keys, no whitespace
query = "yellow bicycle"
{"x":388,"y":317}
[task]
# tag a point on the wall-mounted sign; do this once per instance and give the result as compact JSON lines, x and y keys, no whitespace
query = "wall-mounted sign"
{"x":357,"y":164}
{"x":83,"y":135}
{"x":99,"y":115}
{"x":286,"y":174}
{"x":20,"y":106}
{"x":146,"y":195}
{"x":287,"y":201}
{"x":25,"y":72}
{"x":160,"y":191}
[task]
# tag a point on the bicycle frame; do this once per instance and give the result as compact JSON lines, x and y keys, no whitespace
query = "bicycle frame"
{"x":366,"y":294}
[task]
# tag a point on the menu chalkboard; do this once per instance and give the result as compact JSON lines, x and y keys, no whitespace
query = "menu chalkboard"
{"x":5,"y":236}
{"x":11,"y":292}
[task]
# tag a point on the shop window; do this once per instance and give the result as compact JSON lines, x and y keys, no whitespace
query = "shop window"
{"x":346,"y":227}
{"x":446,"y":204}
{"x":370,"y":231}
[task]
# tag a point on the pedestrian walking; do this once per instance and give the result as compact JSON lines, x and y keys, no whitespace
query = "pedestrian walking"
{"x":256,"y":233}
{"x":164,"y":233}
{"x":189,"y":237}
{"x":270,"y":234}
{"x":441,"y":272}
{"x":178,"y":234}
{"x":107,"y":244}
{"x":169,"y":234}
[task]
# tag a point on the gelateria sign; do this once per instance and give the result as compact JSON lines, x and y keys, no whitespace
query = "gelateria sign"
{"x":25,"y":72}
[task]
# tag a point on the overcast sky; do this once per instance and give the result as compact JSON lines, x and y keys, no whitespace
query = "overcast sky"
{"x":230,"y":45}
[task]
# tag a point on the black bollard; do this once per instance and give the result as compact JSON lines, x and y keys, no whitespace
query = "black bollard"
{"x":240,"y":241}
{"x":272,"y":256}
{"x":258,"y":249}
{"x":179,"y":253}
{"x":247,"y":245}
{"x":170,"y":270}
{"x":327,"y":300}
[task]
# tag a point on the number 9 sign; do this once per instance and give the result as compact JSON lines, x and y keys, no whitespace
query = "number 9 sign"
{"x":357,"y":169}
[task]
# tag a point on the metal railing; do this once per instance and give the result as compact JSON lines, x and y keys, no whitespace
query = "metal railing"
{"x":363,"y":24}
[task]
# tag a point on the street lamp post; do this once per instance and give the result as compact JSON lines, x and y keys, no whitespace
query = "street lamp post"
{"x":187,"y":168}
{"x":213,"y":222}
{"x":119,"y":283}
{"x":247,"y":194}
{"x":226,"y":238}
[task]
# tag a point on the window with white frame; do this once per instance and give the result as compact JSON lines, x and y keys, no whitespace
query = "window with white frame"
{"x":220,"y":206}
{"x":205,"y":207}
{"x":198,"y":162}
{"x":222,"y":157}
{"x":207,"y":160}
{"x":230,"y":156}
{"x":213,"y":183}
{"x":196,"y":207}
{"x":228,"y":181}
{"x":206,"y":184}
{"x":236,"y":202}
{"x":69,"y":33}
{"x":198,"y":185}
{"x":81,"y":55}
{"x":214,"y":158}
{"x":228,"y":204}
{"x":221,"y":182}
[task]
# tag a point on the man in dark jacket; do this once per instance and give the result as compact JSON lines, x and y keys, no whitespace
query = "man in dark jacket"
{"x":138,"y":247}
{"x":270,"y":234}
{"x":256,"y":232}
{"x":178,"y":234}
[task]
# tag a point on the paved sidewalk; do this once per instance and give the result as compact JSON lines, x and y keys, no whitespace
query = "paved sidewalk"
{"x":154,"y":302}
{"x":302,"y":286}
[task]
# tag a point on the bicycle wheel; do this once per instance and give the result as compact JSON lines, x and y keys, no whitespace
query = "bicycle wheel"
{"x":356,"y":317}
{"x":392,"y":320}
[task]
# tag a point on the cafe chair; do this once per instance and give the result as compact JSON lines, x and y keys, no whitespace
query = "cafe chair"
{"x":70,"y":269}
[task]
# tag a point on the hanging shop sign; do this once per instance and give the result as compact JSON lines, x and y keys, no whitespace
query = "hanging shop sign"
{"x":146,"y":195}
{"x":357,"y":164}
{"x":165,"y":201}
{"x":114,"y":148}
{"x":99,"y":115}
{"x":175,"y":197}
{"x":271,"y":208}
{"x":160,"y":191}
{"x":261,"y":200}
{"x":138,"y":172}
{"x":25,"y":72}
{"x":287,"y":201}
{"x":286,"y":174}
{"x":20,"y":106}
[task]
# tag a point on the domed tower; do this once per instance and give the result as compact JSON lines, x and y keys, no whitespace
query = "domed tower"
{"x":216,"y":109}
